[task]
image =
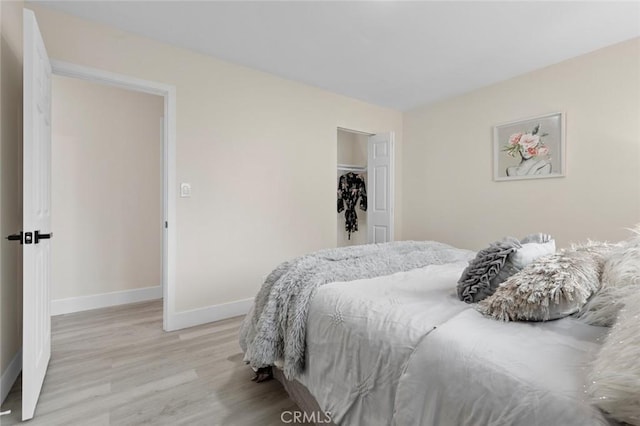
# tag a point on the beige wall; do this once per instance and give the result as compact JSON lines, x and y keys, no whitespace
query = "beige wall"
{"x":10,"y":180}
{"x":259,"y":151}
{"x":352,"y":150}
{"x":447,"y":163}
{"x":106,"y":186}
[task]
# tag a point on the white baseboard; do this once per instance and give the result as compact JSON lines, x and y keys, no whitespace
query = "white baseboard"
{"x":10,"y":375}
{"x":194,"y":317}
{"x":104,"y":300}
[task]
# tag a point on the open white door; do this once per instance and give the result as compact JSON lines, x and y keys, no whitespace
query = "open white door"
{"x":380,"y":192}
{"x":36,"y":341}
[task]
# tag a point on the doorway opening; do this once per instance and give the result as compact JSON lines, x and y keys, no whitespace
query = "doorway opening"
{"x":352,"y":188}
{"x":127,"y":182}
{"x":106,"y":186}
{"x":365,"y":187}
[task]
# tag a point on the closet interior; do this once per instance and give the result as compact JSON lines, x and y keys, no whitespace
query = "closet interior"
{"x":351,"y":183}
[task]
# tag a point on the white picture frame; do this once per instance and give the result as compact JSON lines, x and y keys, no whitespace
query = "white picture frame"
{"x":530,"y":148}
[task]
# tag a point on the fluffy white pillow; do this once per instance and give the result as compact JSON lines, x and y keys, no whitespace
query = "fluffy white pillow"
{"x":550,"y":287}
{"x":530,"y":252}
{"x":620,"y":280}
{"x":614,"y":379}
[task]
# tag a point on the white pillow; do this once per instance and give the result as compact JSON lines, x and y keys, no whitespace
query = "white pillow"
{"x":530,"y":248}
{"x":530,"y":252}
{"x":614,"y":378}
{"x":620,"y":280}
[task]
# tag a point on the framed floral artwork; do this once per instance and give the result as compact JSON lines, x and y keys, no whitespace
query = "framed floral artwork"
{"x":533,"y":148}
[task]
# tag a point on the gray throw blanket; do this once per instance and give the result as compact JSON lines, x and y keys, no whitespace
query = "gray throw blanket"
{"x":274,"y":331}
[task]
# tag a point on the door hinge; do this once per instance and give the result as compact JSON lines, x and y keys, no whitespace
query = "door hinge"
{"x":166,"y":224}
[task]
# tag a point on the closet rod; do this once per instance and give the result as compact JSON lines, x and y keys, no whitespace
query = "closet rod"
{"x":351,"y":168}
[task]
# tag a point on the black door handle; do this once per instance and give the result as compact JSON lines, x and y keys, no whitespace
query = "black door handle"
{"x":15,"y":237}
{"x":38,"y":236}
{"x":28,"y":237}
{"x":23,"y":237}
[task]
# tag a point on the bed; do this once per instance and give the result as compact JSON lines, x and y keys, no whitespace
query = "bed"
{"x":402,"y":349}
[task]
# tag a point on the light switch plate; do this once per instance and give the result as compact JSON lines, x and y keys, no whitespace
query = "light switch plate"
{"x":185,"y":190}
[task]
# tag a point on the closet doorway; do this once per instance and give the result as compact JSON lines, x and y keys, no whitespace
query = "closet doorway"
{"x":365,"y":182}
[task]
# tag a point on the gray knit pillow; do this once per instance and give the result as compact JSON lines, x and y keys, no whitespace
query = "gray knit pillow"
{"x":498,"y":262}
{"x":478,"y":280}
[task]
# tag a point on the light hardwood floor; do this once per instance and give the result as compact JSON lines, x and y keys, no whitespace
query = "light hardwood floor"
{"x":116,"y":366}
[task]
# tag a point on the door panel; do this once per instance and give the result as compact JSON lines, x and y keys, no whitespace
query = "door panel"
{"x":380,"y":192}
{"x":36,"y":345}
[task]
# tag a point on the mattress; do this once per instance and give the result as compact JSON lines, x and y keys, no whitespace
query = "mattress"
{"x":403,"y":350}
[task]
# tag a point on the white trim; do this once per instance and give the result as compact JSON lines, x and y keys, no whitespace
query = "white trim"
{"x":357,"y":132}
{"x":210,"y":314}
{"x":109,"y":78}
{"x":104,"y":300}
{"x":170,"y":238}
{"x":392,"y":186}
{"x":169,"y":235}
{"x":10,"y":375}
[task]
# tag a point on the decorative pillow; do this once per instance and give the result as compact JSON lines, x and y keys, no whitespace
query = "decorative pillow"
{"x":551,"y":287}
{"x":620,"y":280}
{"x":614,"y":378}
{"x":530,"y":252}
{"x":536,"y":238}
{"x":498,"y":262}
{"x":476,"y":281}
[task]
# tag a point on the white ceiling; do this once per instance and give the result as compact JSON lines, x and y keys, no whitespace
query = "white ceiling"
{"x":391,"y":53}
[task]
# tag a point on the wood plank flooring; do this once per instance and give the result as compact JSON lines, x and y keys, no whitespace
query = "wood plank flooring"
{"x":115,"y":366}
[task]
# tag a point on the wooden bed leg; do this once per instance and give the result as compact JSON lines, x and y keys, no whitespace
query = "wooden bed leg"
{"x":263,"y":374}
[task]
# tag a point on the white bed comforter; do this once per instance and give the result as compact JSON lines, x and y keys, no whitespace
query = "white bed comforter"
{"x":403,"y":350}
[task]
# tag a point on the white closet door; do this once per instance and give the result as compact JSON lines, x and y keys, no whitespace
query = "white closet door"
{"x":380,"y":188}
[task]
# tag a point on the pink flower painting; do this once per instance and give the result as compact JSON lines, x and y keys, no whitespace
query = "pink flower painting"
{"x":543,"y":150}
{"x":529,"y":148}
{"x":527,"y":142}
{"x":515,"y":138}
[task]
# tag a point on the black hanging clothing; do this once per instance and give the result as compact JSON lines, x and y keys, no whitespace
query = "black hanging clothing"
{"x":350,"y":188}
